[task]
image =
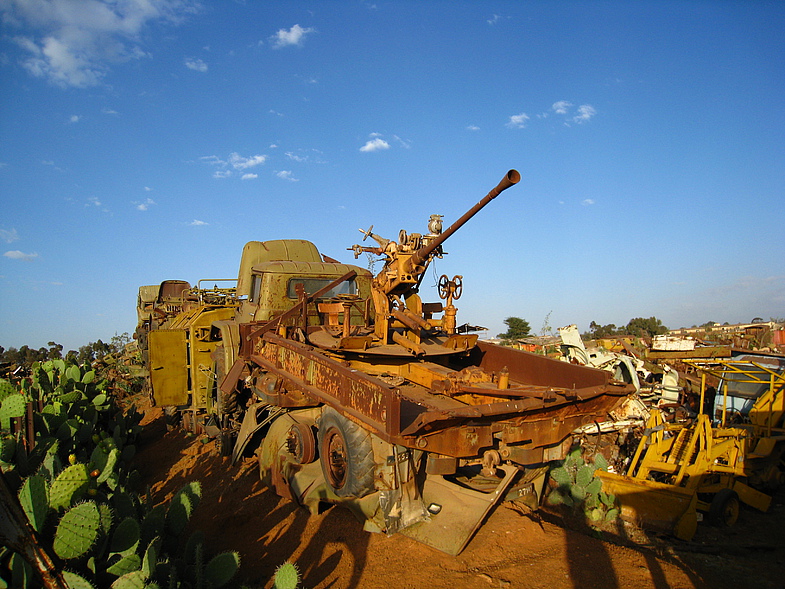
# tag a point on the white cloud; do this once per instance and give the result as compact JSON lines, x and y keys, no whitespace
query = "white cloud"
{"x":9,"y":235}
{"x":585,"y":112}
{"x":196,"y":64}
{"x":294,"y":36}
{"x":74,"y":119}
{"x":587,"y":202}
{"x":143,"y":206}
{"x":249,"y":176}
{"x":241,"y":163}
{"x":402,"y":143}
{"x":17,"y":255}
{"x":472,"y":128}
{"x":74,"y":43}
{"x":560,"y":107}
{"x":376,"y":144}
{"x":108,"y":111}
{"x":213,"y":160}
{"x":197,"y":223}
{"x":147,"y":189}
{"x":93,"y":201}
{"x":493,"y":20}
{"x":286,"y":175}
{"x":234,"y":161}
{"x":295,"y":157}
{"x":518,"y":121}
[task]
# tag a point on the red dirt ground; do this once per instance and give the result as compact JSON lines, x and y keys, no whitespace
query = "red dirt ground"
{"x":511,"y":550}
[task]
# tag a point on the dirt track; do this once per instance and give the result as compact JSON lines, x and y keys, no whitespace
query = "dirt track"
{"x":511,"y":550}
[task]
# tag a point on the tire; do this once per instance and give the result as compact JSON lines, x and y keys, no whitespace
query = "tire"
{"x":724,"y":510}
{"x":225,"y":443}
{"x":346,"y":455}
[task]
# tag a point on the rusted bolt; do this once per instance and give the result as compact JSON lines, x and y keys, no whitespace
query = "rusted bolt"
{"x":422,"y":442}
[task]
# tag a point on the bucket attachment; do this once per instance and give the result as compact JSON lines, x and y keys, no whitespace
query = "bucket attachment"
{"x":456,"y":512}
{"x":657,"y":506}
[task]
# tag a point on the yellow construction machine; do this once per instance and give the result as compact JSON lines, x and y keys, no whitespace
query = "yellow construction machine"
{"x":682,"y":470}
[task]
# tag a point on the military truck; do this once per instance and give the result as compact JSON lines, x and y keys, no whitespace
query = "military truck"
{"x":352,"y":389}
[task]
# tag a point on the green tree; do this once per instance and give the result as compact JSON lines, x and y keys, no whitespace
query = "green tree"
{"x":597,"y":331}
{"x":642,"y":327}
{"x":118,"y":342}
{"x":55,"y":351}
{"x":517,"y":328}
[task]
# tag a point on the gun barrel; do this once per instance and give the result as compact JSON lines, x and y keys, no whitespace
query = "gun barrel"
{"x":511,"y":178}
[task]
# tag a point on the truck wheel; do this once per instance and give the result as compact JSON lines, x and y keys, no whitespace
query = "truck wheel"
{"x":225,"y":443}
{"x":346,"y":455}
{"x":724,"y":510}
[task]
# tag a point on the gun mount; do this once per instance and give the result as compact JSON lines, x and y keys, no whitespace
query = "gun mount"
{"x":395,"y":287}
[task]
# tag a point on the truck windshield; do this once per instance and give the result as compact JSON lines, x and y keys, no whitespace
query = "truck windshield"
{"x":313,"y":285}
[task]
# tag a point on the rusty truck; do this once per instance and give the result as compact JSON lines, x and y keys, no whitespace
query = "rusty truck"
{"x":352,"y":388}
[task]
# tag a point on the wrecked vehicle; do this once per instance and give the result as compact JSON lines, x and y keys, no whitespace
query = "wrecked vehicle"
{"x":712,"y":464}
{"x":352,"y":389}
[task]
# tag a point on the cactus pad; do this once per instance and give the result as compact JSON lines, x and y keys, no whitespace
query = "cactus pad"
{"x":73,"y":373}
{"x":77,"y":531}
{"x":287,"y":576}
{"x":133,"y":580}
{"x":13,"y":405}
{"x":104,"y":462}
{"x":125,"y":538}
{"x":75,"y":581}
{"x":182,"y":506}
{"x":600,"y":462}
{"x":122,"y":565}
{"x":151,"y":556}
{"x":34,"y":497}
{"x":561,"y":476}
{"x":6,"y":388}
{"x":221,"y":568}
{"x":69,"y":486}
{"x":584,"y":475}
{"x":7,"y":448}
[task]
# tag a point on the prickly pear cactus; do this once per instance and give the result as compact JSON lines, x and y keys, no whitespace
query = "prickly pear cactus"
{"x":69,"y":486}
{"x":104,"y":461}
{"x":125,"y":538}
{"x":287,"y":576}
{"x":7,"y":447}
{"x":76,"y":581}
{"x":151,"y":556}
{"x":182,"y":506}
{"x":77,"y":531}
{"x":133,"y":580}
{"x":34,"y":497}
{"x":578,"y":487}
{"x":13,"y":405}
{"x":221,"y":568}
{"x":6,"y":388}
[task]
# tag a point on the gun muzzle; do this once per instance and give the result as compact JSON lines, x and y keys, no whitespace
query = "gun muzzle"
{"x":510,"y":179}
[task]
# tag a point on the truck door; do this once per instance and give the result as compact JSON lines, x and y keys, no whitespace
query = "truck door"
{"x":169,"y":366}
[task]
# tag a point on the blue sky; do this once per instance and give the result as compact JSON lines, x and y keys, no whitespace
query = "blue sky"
{"x":147,"y":140}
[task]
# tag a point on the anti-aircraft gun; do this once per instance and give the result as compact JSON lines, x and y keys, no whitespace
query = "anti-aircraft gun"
{"x":396,"y":287}
{"x":352,"y":390}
